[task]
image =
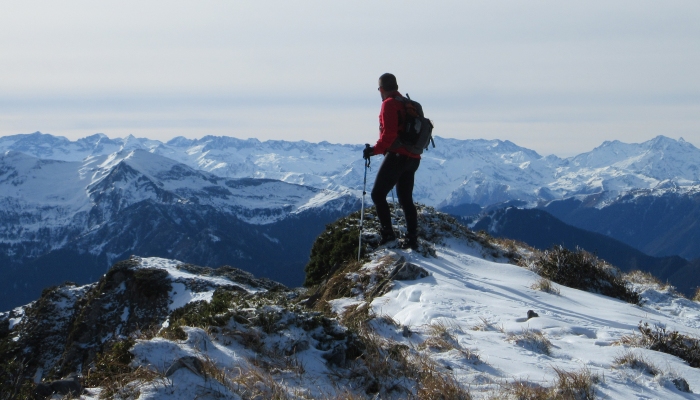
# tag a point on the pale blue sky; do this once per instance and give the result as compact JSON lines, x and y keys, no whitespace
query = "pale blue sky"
{"x":557,"y":77}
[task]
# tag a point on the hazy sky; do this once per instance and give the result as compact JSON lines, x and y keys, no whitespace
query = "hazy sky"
{"x":555,"y":76}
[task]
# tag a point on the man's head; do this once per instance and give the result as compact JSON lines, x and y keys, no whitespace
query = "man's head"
{"x":387,"y":84}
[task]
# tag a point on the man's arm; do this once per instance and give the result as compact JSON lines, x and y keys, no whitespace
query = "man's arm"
{"x":389,"y":123}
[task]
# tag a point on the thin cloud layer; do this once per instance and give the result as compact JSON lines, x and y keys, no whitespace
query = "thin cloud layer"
{"x":556,"y":77}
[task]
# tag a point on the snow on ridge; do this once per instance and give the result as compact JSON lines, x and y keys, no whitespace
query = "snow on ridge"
{"x":171,"y":266}
{"x":320,"y":199}
{"x":448,"y":174}
{"x":478,"y":307}
{"x":465,"y":290}
{"x":181,"y":294}
{"x":14,"y":316}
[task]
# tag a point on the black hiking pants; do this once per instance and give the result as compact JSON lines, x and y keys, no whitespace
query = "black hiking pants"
{"x":399,"y":170}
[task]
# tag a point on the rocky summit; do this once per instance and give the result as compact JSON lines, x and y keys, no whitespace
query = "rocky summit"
{"x":466,"y":316}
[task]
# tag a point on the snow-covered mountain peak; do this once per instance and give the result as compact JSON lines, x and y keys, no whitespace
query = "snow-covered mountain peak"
{"x":95,"y":139}
{"x":620,"y":167}
{"x":48,"y":146}
{"x":455,"y":172}
{"x":662,"y":142}
{"x":159,"y":167}
{"x":180,"y":141}
{"x":37,"y":144}
{"x":139,"y":174}
{"x":133,"y":143}
{"x":455,"y":148}
{"x":625,"y":154}
{"x":39,"y":181}
{"x":606,"y":154}
{"x":48,"y":204}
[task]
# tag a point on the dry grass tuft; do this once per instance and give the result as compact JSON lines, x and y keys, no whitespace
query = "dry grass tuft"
{"x":545,"y":285}
{"x":113,"y":373}
{"x":435,"y":385}
{"x":635,"y":361}
{"x":352,"y":281}
{"x":658,"y":338}
{"x":357,"y":318}
{"x":513,"y":249}
{"x":696,"y":296}
{"x":647,"y":279}
{"x":338,"y":285}
{"x":386,"y":366}
{"x":440,"y":339}
{"x":575,"y":385}
{"x":383,"y":361}
{"x":642,"y":278}
{"x":437,"y":343}
{"x":509,"y":244}
{"x":221,"y":375}
{"x":247,"y":381}
{"x":532,"y":340}
{"x":438,"y":328}
{"x":486,"y":325}
{"x":582,"y":270}
{"x":523,"y":390}
{"x":471,"y":356}
{"x":174,"y":333}
{"x":387,"y":320}
{"x":254,"y":383}
{"x":632,"y":340}
{"x":346,"y":394}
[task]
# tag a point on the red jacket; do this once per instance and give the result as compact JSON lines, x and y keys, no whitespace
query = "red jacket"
{"x":391,"y":120}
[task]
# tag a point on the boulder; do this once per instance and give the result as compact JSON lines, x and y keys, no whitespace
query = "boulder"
{"x":192,"y":363}
{"x":681,"y":384}
{"x":405,"y":271}
{"x":69,"y":386}
{"x":406,"y":331}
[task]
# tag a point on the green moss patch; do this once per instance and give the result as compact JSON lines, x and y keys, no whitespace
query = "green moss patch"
{"x":333,"y":248}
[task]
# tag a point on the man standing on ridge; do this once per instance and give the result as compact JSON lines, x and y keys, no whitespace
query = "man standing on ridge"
{"x":399,"y":165}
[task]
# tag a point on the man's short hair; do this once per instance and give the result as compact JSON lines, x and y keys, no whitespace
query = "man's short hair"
{"x":388,"y":82}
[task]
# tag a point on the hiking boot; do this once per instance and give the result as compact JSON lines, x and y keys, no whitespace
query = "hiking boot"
{"x":410,"y":242}
{"x":387,"y":236}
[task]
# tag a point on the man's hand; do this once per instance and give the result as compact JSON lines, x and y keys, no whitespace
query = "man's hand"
{"x":367,"y":152}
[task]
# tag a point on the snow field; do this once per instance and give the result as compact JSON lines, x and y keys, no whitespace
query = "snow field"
{"x":484,"y":304}
{"x":470,"y":318}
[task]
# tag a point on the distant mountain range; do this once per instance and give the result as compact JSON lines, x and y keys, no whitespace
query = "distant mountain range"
{"x":70,"y":220}
{"x":455,"y":172}
{"x":660,"y":222}
{"x":68,"y":209}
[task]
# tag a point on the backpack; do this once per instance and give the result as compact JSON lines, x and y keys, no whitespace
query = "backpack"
{"x":417,"y":133}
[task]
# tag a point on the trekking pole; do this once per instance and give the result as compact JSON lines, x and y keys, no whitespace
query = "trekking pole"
{"x":362,"y":213}
{"x":393,"y":200}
